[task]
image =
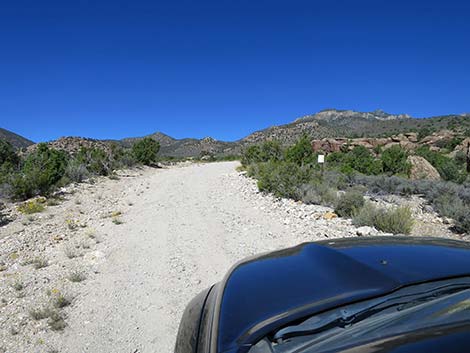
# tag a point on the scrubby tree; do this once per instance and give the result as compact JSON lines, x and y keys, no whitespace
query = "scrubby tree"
{"x":41,"y":170}
{"x":268,"y":151}
{"x":8,"y":154}
{"x":394,"y":161}
{"x":145,"y":151}
{"x":301,"y":153}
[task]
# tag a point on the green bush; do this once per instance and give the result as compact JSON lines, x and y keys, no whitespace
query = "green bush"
{"x":394,"y":161}
{"x":448,"y":168}
{"x":95,"y":160}
{"x":268,"y":151}
{"x":145,"y":151}
{"x":41,"y":170}
{"x":8,"y":154}
{"x":283,"y":179}
{"x":424,"y":132}
{"x":349,"y":203}
{"x":33,"y":206}
{"x":76,"y":171}
{"x":301,"y":152}
{"x":397,"y":220}
{"x":359,"y":159}
{"x":318,"y":194}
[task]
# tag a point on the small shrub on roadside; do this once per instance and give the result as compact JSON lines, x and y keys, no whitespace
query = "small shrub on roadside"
{"x":301,"y":152}
{"x":268,"y":151}
{"x":76,"y":276}
{"x":283,"y":179}
{"x":76,"y":171}
{"x":39,"y":262}
{"x":70,"y":251}
{"x":61,"y":301}
{"x":397,"y":220}
{"x":18,"y":286}
{"x":41,"y":170}
{"x":32,"y":206}
{"x":40,"y":314}
{"x":394,"y":161}
{"x":349,"y":203}
{"x":145,"y":151}
{"x":56,"y":321}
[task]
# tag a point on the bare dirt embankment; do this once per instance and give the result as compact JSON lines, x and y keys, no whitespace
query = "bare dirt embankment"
{"x":145,"y":245}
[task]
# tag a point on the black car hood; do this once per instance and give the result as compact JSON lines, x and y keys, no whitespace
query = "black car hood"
{"x":268,"y":291}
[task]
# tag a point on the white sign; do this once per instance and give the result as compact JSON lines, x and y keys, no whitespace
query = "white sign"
{"x":321,"y":158}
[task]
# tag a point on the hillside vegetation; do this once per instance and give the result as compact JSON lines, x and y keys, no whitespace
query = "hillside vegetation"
{"x":350,"y":174}
{"x":44,"y":168}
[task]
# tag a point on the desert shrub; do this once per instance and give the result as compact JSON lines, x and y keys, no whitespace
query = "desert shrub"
{"x":3,"y":218}
{"x":449,"y":144}
{"x":448,"y":199}
{"x":41,"y":170}
{"x":76,"y":171}
{"x":283,"y":179}
{"x":396,"y":220}
{"x":359,"y":159}
{"x":448,"y":168}
{"x":318,"y":194}
{"x":268,"y":151}
{"x":32,"y":206}
{"x":126,"y":159}
{"x":460,"y":158}
{"x":76,"y":276}
{"x":424,"y":132}
{"x":349,"y":203}
{"x":394,"y":161}
{"x":8,"y":154}
{"x":301,"y":152}
{"x":145,"y":151}
{"x":95,"y":160}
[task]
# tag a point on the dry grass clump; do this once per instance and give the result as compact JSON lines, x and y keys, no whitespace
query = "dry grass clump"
{"x":71,"y":251}
{"x":76,"y":276}
{"x":39,"y":262}
{"x":32,"y":206}
{"x":17,"y":285}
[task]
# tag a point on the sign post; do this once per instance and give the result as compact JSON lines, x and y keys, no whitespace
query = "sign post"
{"x":321,"y":161}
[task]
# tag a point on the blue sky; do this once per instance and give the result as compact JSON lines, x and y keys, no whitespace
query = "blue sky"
{"x":114,"y":69}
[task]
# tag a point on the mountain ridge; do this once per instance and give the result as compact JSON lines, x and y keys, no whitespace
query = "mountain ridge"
{"x":16,"y":140}
{"x":327,"y":123}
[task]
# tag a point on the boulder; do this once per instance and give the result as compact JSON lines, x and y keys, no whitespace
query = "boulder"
{"x":422,"y":169}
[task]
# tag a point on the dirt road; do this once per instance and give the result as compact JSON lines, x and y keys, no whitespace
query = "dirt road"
{"x":185,"y":228}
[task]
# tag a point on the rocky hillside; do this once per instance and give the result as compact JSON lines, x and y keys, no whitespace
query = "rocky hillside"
{"x":16,"y":140}
{"x":72,"y":145}
{"x":187,"y":147}
{"x":333,"y":123}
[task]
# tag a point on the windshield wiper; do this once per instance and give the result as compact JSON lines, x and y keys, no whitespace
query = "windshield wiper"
{"x":348,"y":316}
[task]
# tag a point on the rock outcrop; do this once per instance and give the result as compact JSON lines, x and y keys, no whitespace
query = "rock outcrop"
{"x":422,"y":169}
{"x":73,"y":145}
{"x":409,"y":141}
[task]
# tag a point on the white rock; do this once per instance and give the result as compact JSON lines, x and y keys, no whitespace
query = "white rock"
{"x":366,"y":231}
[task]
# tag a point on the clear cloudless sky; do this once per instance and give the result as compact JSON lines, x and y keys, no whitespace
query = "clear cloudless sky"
{"x":114,"y":69}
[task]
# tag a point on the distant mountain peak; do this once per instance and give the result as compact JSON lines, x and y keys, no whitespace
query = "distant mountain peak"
{"x":332,"y":114}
